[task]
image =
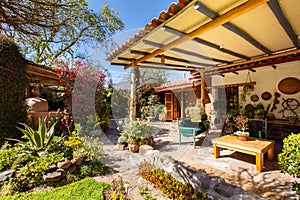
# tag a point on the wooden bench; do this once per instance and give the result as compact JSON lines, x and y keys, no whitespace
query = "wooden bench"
{"x":253,"y":146}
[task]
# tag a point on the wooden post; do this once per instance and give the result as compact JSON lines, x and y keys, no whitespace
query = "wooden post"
{"x":202,"y":89}
{"x":182,"y":105}
{"x":132,"y":104}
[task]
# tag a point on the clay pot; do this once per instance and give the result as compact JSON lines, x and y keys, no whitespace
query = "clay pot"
{"x":133,"y":147}
{"x":243,"y":138}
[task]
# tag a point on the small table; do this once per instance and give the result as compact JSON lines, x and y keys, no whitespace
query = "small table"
{"x":253,"y":146}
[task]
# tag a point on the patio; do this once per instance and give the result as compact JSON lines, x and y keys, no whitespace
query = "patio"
{"x":235,"y":168}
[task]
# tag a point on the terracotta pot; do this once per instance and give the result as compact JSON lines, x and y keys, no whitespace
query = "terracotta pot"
{"x":243,"y":138}
{"x":121,"y":146}
{"x":133,"y":147}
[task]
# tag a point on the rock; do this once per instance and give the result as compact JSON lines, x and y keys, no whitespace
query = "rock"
{"x":144,"y":148}
{"x":224,"y":189}
{"x":77,"y":161}
{"x":52,"y":177}
{"x":64,"y":164}
{"x":60,"y":170}
{"x":6,"y":175}
{"x":52,"y":168}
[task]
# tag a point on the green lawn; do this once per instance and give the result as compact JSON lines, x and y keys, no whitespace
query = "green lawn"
{"x":85,"y":189}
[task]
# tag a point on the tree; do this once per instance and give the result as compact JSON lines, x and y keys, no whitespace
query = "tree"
{"x":13,"y":83}
{"x":46,"y":30}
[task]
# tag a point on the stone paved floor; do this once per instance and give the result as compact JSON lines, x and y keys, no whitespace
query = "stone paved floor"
{"x":235,"y":168}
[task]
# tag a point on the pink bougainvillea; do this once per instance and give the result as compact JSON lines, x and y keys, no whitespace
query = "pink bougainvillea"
{"x":87,"y":79}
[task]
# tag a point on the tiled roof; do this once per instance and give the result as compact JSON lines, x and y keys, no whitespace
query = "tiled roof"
{"x":178,"y":84}
{"x":163,"y":16}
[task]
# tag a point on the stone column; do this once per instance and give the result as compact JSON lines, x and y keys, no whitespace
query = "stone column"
{"x":132,"y":104}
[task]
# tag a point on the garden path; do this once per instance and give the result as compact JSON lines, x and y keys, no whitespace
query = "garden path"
{"x":240,"y":171}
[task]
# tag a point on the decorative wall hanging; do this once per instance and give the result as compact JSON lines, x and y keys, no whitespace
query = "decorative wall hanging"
{"x":290,"y":85}
{"x":290,"y":104}
{"x":254,"y":98}
{"x":275,"y":101}
{"x":266,"y":96}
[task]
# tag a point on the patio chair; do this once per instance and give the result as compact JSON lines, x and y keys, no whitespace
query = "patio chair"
{"x":187,"y":128}
{"x":258,"y":128}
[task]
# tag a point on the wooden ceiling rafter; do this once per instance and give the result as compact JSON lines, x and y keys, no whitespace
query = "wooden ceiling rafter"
{"x":222,"y":19}
{"x":190,"y":53}
{"x":206,"y":43}
{"x":273,"y":4}
{"x":212,"y":15}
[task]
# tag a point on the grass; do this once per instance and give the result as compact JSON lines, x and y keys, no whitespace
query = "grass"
{"x":84,"y":189}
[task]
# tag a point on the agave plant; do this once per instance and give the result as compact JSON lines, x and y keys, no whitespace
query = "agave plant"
{"x":40,"y":138}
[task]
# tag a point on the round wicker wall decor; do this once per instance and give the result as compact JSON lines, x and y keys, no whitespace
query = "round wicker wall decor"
{"x":290,"y":85}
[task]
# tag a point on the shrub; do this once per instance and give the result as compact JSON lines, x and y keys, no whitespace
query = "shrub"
{"x":13,"y":83}
{"x":173,"y":188}
{"x":289,"y":158}
{"x":40,"y":138}
{"x":7,"y":157}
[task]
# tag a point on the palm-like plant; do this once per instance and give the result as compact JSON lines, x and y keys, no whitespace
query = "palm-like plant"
{"x":40,"y":138}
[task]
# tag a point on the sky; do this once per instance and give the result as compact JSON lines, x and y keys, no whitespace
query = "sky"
{"x":135,"y":14}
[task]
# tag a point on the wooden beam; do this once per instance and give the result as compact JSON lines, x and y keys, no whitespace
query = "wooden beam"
{"x":222,"y":19}
{"x":273,"y":4}
{"x":206,"y":43}
{"x":263,"y":58}
{"x":206,"y":11}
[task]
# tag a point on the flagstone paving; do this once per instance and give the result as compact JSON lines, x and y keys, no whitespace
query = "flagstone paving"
{"x":235,"y":168}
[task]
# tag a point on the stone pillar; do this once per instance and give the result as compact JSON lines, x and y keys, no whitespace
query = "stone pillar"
{"x":132,"y":104}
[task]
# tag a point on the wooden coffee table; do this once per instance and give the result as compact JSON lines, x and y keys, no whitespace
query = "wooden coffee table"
{"x":253,"y":146}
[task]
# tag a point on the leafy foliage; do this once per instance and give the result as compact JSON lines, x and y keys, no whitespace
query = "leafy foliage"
{"x":173,"y":188}
{"x":289,"y":158}
{"x":7,"y":156}
{"x":40,"y":138}
{"x":119,"y":104}
{"x":52,"y":29}
{"x":13,"y":83}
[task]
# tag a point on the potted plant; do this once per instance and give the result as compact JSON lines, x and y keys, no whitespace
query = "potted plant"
{"x":293,"y":119}
{"x":122,"y":141}
{"x":137,"y":132}
{"x":133,"y":144}
{"x":242,"y":124}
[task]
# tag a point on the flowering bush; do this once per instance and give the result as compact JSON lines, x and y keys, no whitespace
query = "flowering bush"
{"x":83,"y":86}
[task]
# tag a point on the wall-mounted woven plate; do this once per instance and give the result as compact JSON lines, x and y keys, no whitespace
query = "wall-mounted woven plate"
{"x":290,"y":85}
{"x":266,"y":96}
{"x":254,"y":98}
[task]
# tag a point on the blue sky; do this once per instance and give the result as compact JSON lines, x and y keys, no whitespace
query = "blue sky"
{"x":135,"y":14}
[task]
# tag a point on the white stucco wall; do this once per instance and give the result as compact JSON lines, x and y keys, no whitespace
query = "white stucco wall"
{"x":267,"y":79}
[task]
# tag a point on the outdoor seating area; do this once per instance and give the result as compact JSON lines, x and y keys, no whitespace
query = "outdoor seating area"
{"x":206,"y":105}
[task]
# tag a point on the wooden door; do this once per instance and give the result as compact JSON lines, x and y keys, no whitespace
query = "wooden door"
{"x":169,"y":105}
{"x":176,"y":107}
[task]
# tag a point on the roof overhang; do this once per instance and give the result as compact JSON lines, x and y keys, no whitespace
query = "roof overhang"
{"x":217,"y":36}
{"x":42,"y":75}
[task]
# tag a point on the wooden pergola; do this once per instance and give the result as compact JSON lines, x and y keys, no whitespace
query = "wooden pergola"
{"x":211,"y":37}
{"x":41,"y":74}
